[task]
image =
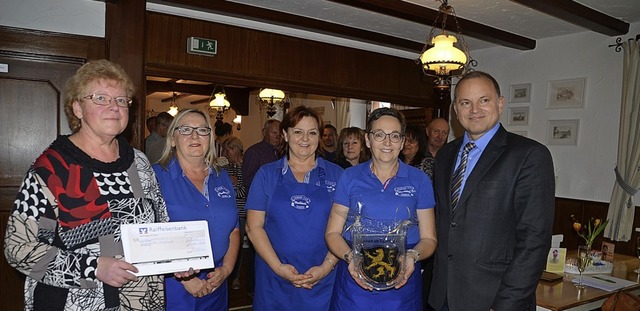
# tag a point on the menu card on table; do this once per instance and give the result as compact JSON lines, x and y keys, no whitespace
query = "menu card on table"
{"x":555,"y":260}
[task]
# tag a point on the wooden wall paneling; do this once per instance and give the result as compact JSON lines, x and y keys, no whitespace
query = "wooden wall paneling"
{"x":125,"y":34}
{"x":263,"y":59}
{"x":36,"y":43}
{"x":31,"y":100}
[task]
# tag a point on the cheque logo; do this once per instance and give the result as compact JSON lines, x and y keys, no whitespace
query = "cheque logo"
{"x":223,"y":192}
{"x":143,"y":230}
{"x":300,"y":201}
{"x":406,"y":191}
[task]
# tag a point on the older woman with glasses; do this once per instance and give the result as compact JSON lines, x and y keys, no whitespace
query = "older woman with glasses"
{"x":64,"y":230}
{"x":382,"y":189}
{"x":196,"y":188}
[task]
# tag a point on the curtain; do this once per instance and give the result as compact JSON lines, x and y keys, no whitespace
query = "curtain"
{"x":343,"y":116}
{"x":622,"y":209}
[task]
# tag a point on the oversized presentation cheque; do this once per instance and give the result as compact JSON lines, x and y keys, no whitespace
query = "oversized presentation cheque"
{"x":159,"y":248}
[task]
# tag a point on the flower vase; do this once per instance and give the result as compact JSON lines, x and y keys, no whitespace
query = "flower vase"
{"x":590,"y":262}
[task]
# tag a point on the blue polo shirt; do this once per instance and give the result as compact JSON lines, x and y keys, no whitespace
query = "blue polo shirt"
{"x":408,"y":191}
{"x":185,"y":202}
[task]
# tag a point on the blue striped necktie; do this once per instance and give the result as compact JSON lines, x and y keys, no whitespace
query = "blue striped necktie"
{"x":458,"y":175}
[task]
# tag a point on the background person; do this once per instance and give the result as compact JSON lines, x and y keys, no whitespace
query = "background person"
{"x":151,"y":124}
{"x":494,"y":255}
{"x":287,"y":210}
{"x":263,"y":152}
{"x":195,"y":188}
{"x":414,"y":151}
{"x":159,"y":132}
{"x":437,"y":133}
{"x":64,"y":230}
{"x":386,"y":187}
{"x":329,"y":146}
{"x":233,"y":151}
{"x":223,"y":131}
{"x":351,"y":147}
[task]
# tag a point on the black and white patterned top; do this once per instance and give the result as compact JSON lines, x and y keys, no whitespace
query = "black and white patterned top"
{"x":68,"y":213}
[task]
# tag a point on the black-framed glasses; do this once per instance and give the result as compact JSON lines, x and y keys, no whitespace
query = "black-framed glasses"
{"x":380,"y":136}
{"x":105,"y":100}
{"x":187,"y":130}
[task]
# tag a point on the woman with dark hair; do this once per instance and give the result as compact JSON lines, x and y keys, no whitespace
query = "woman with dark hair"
{"x":381,"y":190}
{"x":195,"y":187}
{"x":351,"y":147}
{"x":287,"y":210}
{"x":415,"y":148}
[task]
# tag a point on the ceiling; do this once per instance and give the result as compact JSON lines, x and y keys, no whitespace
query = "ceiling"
{"x":399,"y":28}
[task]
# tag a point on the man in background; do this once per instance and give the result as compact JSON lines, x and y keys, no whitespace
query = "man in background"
{"x":151,"y":124}
{"x":494,"y":208}
{"x":159,"y":132}
{"x":261,"y":153}
{"x":223,"y":132}
{"x":437,"y":134}
{"x":154,"y":143}
{"x":329,"y":142}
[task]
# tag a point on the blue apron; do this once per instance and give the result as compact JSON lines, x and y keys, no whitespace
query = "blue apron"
{"x":349,"y":296}
{"x":295,"y":222}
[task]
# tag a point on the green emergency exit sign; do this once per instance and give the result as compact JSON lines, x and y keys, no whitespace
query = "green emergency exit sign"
{"x":202,"y":46}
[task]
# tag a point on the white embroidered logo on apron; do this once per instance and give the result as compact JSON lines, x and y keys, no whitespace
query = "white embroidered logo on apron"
{"x":300,"y":201}
{"x":331,"y":185}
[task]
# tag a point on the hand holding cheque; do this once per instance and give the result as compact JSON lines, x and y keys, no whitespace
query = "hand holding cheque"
{"x":161,"y":248}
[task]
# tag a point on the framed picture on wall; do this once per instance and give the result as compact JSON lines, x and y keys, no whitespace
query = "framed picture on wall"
{"x":518,"y":116}
{"x":566,"y":94}
{"x":520,"y":93}
{"x":562,"y":132}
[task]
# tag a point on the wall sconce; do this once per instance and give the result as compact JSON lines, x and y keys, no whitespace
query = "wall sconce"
{"x":238,"y":121}
{"x":173,"y":107}
{"x":219,"y":102}
{"x":444,"y":61}
{"x":270,"y":98}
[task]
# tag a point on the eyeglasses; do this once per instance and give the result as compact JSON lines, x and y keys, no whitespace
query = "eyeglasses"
{"x":105,"y":100}
{"x":187,"y":130}
{"x":380,"y":136}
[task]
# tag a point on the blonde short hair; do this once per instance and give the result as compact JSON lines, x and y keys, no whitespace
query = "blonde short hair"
{"x":89,"y":72}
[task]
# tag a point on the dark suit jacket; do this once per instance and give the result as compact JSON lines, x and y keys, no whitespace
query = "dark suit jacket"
{"x":493,"y":248}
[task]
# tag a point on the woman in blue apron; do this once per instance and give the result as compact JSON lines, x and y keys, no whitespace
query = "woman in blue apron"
{"x":382,"y":189}
{"x":287,"y":210}
{"x":196,"y":189}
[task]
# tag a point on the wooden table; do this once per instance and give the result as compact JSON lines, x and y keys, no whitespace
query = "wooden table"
{"x":563,"y":295}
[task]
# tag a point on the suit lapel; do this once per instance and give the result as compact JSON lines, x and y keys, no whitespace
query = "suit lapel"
{"x":489,"y":156}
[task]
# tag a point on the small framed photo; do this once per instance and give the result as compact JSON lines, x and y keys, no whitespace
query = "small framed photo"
{"x":520,"y":93}
{"x":521,"y":133}
{"x":562,"y":132}
{"x":566,"y":94}
{"x":518,"y":116}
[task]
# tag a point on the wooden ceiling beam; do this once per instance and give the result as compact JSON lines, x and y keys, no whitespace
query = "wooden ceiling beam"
{"x":578,"y":14}
{"x":296,"y":22}
{"x":426,"y":16}
{"x":178,"y":96}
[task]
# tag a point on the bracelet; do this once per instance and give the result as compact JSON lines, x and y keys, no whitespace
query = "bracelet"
{"x":413,"y":251}
{"x":330,"y":262}
{"x":347,"y":256}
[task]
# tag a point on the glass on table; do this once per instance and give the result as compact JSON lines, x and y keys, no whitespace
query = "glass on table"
{"x":583,"y":261}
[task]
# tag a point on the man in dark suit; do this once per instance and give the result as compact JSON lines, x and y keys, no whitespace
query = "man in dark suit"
{"x":494,"y":208}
